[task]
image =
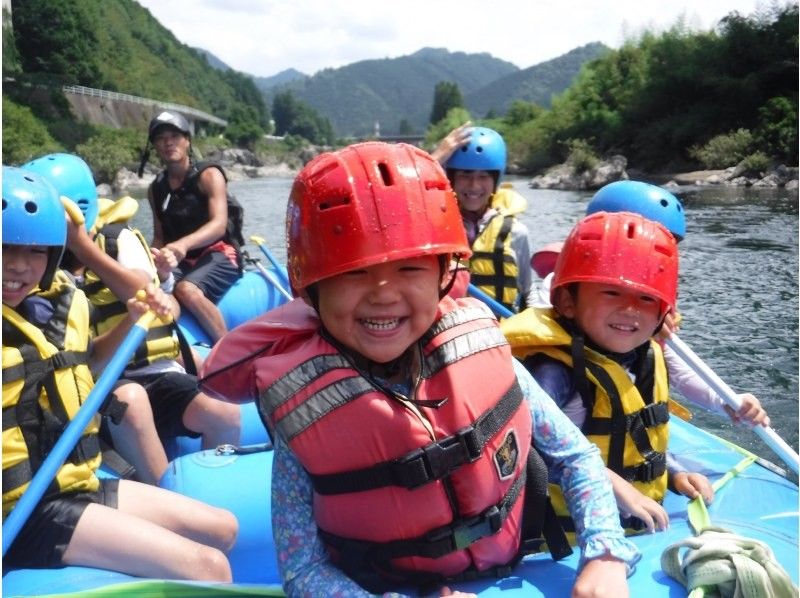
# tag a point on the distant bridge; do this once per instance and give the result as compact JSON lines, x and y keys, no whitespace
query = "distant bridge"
{"x":100,"y":106}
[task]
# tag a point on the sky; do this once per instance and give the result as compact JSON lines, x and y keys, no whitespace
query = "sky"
{"x":265,"y":37}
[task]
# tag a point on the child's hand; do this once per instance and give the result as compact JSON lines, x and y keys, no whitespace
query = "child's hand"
{"x":165,"y":261}
{"x":693,"y":485}
{"x":669,"y":326}
{"x":751,"y":412}
{"x":631,"y":502}
{"x":76,"y":229}
{"x":454,"y":140}
{"x":151,"y":297}
{"x":603,"y":576}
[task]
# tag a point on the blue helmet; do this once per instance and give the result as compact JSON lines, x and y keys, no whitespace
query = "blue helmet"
{"x":33,"y":215}
{"x":652,"y":202}
{"x":71,"y":177}
{"x":486,"y":150}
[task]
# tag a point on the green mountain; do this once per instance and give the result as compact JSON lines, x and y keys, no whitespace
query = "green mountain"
{"x":535,"y":84}
{"x":386,"y":91}
{"x":265,"y":84}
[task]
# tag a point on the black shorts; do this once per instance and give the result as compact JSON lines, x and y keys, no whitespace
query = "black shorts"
{"x":170,"y":394}
{"x":43,"y":540}
{"x":212,"y":273}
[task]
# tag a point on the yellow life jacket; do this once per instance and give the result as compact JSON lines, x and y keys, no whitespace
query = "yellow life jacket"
{"x":108,"y":310}
{"x":46,"y":378}
{"x":493,"y":266}
{"x":508,"y":200}
{"x":628,"y":421}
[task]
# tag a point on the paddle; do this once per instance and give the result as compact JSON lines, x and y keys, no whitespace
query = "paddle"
{"x":271,"y":278}
{"x":767,"y":434}
{"x":262,"y":245}
{"x":69,"y":438}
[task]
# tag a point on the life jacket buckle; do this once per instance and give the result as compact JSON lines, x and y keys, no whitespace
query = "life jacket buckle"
{"x":470,"y":531}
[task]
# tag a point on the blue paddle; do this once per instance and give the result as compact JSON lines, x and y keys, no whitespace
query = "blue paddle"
{"x":69,"y":438}
{"x":262,"y":245}
{"x":498,"y":309}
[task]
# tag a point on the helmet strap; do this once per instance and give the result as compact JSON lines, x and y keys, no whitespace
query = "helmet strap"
{"x":444,"y":268}
{"x":145,"y":158}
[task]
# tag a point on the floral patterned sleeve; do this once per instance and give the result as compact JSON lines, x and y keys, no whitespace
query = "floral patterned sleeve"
{"x":303,"y":561}
{"x":575,"y":464}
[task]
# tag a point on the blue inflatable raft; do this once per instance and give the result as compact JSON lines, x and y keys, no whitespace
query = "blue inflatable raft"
{"x":754,"y":499}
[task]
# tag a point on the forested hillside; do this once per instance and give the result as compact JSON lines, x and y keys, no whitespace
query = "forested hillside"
{"x":537,"y":84}
{"x":114,"y":45}
{"x":390,"y":90}
{"x":677,"y":100}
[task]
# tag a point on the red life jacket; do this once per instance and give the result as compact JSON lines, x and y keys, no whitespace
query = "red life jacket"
{"x":433,"y":485}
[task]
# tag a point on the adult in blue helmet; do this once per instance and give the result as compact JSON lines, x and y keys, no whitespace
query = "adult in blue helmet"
{"x":475,"y":160}
{"x":72,"y":178}
{"x":194,"y":224}
{"x":33,"y":224}
{"x":652,"y":202}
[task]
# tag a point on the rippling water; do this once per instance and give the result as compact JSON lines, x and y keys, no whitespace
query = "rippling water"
{"x":738,"y":284}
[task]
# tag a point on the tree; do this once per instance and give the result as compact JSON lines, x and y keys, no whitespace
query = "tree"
{"x":446,"y":96}
{"x":405,"y":127}
{"x":58,"y":38}
{"x":293,"y":117}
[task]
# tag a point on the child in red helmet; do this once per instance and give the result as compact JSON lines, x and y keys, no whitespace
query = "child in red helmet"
{"x":403,"y":428}
{"x":614,"y":283}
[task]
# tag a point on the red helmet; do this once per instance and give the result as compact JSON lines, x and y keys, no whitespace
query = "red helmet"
{"x":369,"y":203}
{"x":622,"y":249}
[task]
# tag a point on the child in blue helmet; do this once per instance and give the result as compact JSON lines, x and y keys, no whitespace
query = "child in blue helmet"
{"x":112,"y":262}
{"x":658,"y":204}
{"x":475,"y":160}
{"x":47,"y":353}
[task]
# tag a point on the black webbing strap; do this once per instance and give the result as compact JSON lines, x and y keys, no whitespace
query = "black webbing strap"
{"x":650,"y":416}
{"x":654,"y":462}
{"x":38,"y":367}
{"x":539,"y":520}
{"x":436,"y":543}
{"x":499,"y":257}
{"x":429,"y":463}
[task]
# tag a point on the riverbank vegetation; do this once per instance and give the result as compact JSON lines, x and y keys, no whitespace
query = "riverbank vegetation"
{"x":678,"y":100}
{"x":675,"y":101}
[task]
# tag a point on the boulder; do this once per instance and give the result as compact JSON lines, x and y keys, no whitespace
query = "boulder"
{"x":564,"y":176}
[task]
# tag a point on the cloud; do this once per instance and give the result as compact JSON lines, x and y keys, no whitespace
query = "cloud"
{"x":263,"y":37}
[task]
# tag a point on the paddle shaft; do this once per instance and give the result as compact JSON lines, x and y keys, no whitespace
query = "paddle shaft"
{"x":272,"y":279}
{"x":262,"y":245}
{"x":69,"y":438}
{"x":498,"y":309}
{"x":767,"y":434}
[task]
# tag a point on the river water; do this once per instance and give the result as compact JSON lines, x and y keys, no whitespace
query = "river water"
{"x":738,"y":289}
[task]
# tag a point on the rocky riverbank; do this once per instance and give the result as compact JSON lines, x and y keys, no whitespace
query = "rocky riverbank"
{"x":239,"y":164}
{"x":615,"y":168}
